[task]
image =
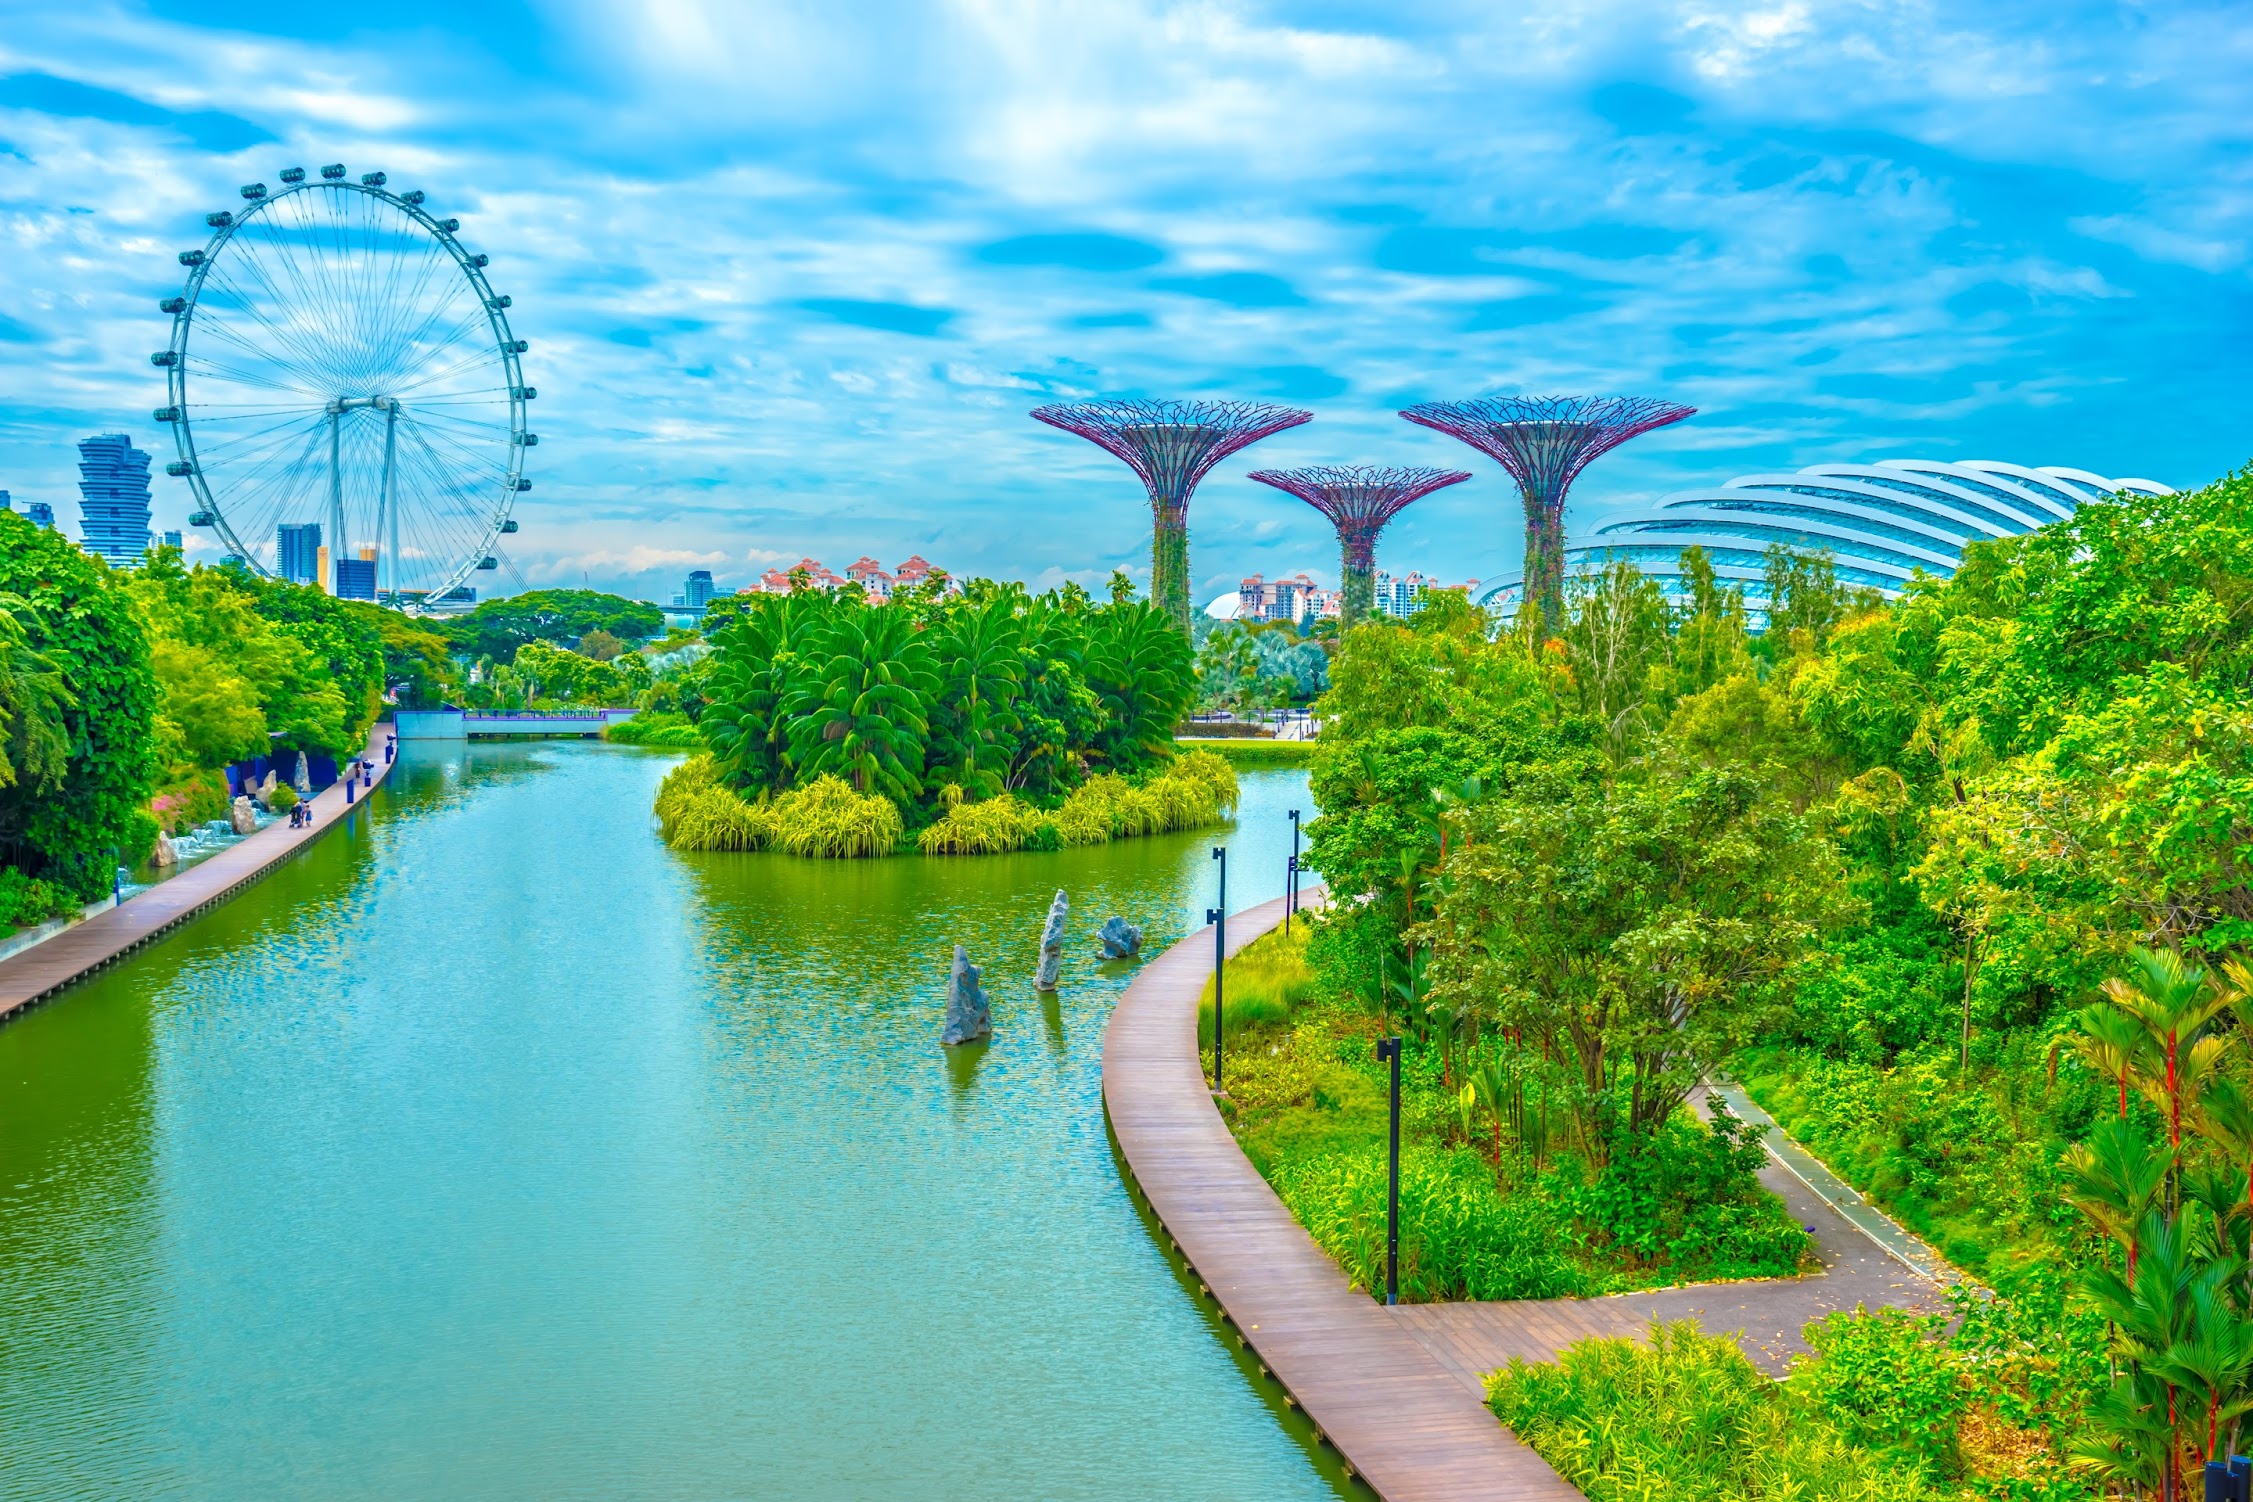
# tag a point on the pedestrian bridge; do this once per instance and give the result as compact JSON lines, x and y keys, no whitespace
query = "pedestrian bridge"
{"x":462,"y":724}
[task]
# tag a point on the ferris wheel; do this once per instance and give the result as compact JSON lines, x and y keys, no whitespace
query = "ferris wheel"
{"x":345,"y":391}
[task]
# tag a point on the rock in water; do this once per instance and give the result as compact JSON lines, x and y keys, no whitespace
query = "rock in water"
{"x":243,"y":816}
{"x":166,"y":853}
{"x":265,"y":790}
{"x":1121,"y":939}
{"x":967,"y":1018}
{"x":1052,"y":944}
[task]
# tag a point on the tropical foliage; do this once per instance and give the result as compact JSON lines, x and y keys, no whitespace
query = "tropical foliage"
{"x":559,"y":617}
{"x":1955,"y":884}
{"x":77,"y":679}
{"x":990,"y":721}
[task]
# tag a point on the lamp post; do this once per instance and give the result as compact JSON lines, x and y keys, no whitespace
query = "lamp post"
{"x":1291,"y":885}
{"x":1218,"y":918}
{"x":1388,"y":1051}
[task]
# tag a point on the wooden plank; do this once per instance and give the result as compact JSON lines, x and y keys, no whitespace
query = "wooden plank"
{"x":1407,"y":1425}
{"x":36,"y":974}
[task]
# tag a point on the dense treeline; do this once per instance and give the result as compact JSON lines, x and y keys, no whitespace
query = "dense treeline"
{"x":123,"y":692}
{"x":1876,"y":860}
{"x":982,"y":714}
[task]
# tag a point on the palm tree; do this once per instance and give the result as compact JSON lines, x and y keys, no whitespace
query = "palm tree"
{"x":2115,"y":1178}
{"x":757,"y":663}
{"x":864,"y":709}
{"x":2173,"y":1002}
{"x":981,"y":645}
{"x":1140,"y":666}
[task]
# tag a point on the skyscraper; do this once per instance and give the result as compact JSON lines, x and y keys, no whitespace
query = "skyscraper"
{"x":172,"y":540}
{"x":297,"y":551}
{"x":113,"y":486}
{"x":699,"y":588}
{"x":41,"y":514}
{"x":355,"y":578}
{"x":6,"y":504}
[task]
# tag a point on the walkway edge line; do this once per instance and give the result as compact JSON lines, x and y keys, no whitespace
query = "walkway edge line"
{"x":39,"y":973}
{"x":1403,"y":1424}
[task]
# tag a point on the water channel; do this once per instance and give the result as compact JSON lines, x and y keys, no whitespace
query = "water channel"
{"x":491,"y":1150}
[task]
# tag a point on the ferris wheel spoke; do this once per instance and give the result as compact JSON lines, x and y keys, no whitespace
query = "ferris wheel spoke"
{"x":420,"y":348}
{"x":234,"y":448}
{"x":305,"y":354}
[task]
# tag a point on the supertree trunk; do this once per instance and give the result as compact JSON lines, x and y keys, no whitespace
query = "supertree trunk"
{"x":1357,"y":588}
{"x":1545,"y":561}
{"x":1169,"y":566}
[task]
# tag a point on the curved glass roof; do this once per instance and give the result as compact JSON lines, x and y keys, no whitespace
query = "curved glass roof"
{"x":1854,"y":512}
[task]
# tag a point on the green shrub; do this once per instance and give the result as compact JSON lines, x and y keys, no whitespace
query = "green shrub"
{"x":651,"y":728}
{"x":1689,"y":1195}
{"x":1459,"y":1239}
{"x":196,"y":799}
{"x":284,"y":798}
{"x":1687,"y":1419}
{"x":25,"y":900}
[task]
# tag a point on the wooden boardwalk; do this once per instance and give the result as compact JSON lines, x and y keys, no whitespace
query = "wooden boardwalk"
{"x":35,"y":974}
{"x":1404,"y":1423}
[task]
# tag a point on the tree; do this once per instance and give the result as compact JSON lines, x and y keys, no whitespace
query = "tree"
{"x":1139,"y":665}
{"x":863,"y":710}
{"x":1644,"y":927}
{"x":496,"y":628}
{"x":84,"y":625}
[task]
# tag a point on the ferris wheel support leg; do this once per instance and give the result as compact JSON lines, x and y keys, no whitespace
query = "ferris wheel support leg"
{"x":389,"y":520}
{"x":336,"y":499}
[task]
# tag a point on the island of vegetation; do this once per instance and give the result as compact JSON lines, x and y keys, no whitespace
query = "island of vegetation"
{"x":1957,"y":885}
{"x":975,"y":722}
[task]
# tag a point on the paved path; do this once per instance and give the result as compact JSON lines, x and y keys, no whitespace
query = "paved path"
{"x":35,"y":974}
{"x":1400,"y":1418}
{"x":1765,"y":1316}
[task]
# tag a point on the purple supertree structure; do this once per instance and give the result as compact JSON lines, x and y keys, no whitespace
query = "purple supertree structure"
{"x":1359,"y":499}
{"x":1545,"y":442}
{"x":1171,"y":445}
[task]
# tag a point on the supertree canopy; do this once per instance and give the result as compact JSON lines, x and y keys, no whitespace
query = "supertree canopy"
{"x":1545,"y":442}
{"x":1359,"y":499}
{"x":1171,"y":445}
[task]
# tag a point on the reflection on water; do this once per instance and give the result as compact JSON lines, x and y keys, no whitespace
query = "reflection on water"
{"x":489,"y":1149}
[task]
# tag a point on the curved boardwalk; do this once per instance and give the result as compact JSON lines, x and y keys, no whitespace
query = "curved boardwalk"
{"x":1404,"y":1423}
{"x":32,"y":975}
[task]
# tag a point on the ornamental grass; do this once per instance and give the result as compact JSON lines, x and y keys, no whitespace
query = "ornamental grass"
{"x":996,"y":826}
{"x":826,"y":817}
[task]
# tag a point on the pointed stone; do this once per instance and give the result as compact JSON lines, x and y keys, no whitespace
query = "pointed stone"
{"x":1052,"y":944}
{"x":967,"y":1017}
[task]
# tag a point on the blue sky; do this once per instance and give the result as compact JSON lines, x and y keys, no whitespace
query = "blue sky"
{"x":793,"y":273}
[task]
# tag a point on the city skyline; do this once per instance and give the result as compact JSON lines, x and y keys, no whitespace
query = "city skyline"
{"x":809,"y":318}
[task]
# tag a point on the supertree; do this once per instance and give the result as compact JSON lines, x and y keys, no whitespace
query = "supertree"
{"x":1171,"y":445}
{"x":1359,"y":499}
{"x":1545,"y":442}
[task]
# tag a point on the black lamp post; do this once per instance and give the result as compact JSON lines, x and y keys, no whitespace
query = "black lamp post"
{"x":1388,"y":1050}
{"x":1218,"y":918}
{"x":1291,"y":878}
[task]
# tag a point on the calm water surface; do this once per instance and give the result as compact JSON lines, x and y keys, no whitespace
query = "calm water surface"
{"x":491,"y":1150}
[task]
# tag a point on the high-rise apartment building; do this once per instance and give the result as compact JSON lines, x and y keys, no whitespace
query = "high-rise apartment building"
{"x":297,"y":551}
{"x":113,"y":487}
{"x":174,"y":541}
